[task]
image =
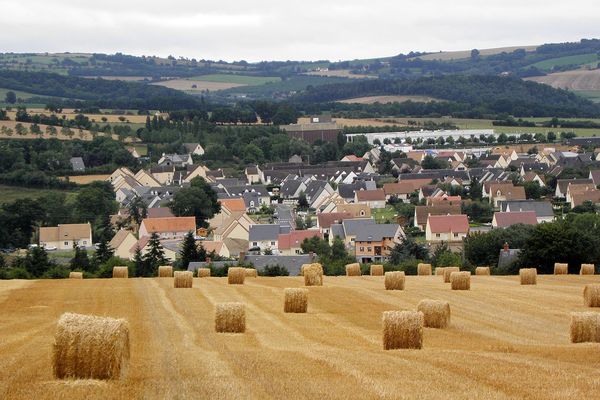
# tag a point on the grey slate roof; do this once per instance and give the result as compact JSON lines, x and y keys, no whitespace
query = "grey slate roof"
{"x":264,"y":232}
{"x":289,"y":187}
{"x":77,"y":164}
{"x":291,"y":263}
{"x":376,"y":232}
{"x":346,"y":190}
{"x":541,"y":208}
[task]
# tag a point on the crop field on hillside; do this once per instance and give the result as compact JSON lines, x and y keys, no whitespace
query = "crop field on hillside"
{"x":570,"y":60}
{"x":457,"y":55}
{"x":504,"y":341}
{"x":196,"y":85}
{"x":341,"y":73}
{"x":238,"y":79}
{"x":576,"y":80}
{"x":388,"y":99}
{"x":77,"y":134}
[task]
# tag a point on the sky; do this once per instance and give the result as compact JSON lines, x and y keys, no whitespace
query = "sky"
{"x":284,"y":30}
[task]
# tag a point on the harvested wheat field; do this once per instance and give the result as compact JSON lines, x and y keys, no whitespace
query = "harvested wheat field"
{"x":505,"y":341}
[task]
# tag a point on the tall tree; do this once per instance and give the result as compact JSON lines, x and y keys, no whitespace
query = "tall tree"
{"x":104,"y":252}
{"x":11,"y":97}
{"x":138,"y":210}
{"x":199,"y":200}
{"x":155,"y":256}
{"x":189,"y":251}
{"x":37,"y":262}
{"x":80,"y":260}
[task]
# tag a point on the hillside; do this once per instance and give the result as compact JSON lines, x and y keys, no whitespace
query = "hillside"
{"x":496,"y":94}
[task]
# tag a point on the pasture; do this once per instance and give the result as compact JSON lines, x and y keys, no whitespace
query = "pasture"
{"x":12,"y":193}
{"x":340,"y":73}
{"x":504,"y":340}
{"x":215,"y":82}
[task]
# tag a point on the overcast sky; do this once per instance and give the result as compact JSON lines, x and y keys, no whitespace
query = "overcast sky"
{"x":282,"y":30}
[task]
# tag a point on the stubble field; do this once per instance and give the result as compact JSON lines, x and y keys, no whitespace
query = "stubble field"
{"x":505,"y":341}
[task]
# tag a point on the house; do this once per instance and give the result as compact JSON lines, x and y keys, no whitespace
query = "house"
{"x":593,"y":196}
{"x":355,"y":210}
{"x":351,"y":157}
{"x":122,"y":242}
{"x":171,"y":248}
{"x":325,"y":220}
{"x":450,"y":229}
{"x":374,"y":242}
{"x":506,"y":219}
{"x":543,"y":209}
{"x":595,"y":177}
{"x":195,"y":170}
{"x":168,"y":228}
{"x":252,"y":175}
{"x":120,"y":172}
{"x":163,"y":173}
{"x":348,"y":229}
{"x":219,"y":247}
{"x":441,"y":198}
{"x":532,"y":176}
{"x":194,"y":148}
{"x":63,"y":237}
{"x":402,"y":190}
{"x":289,"y":244}
{"x":372,"y":198}
{"x":317,"y":192}
{"x":578,"y":188}
{"x":235,"y":225}
{"x":145,"y":178}
{"x":159,"y":212}
{"x":563,"y":184}
{"x":77,"y":164}
{"x":505,"y":191}
{"x":266,"y":236}
{"x":229,"y":206}
{"x":422,"y":213}
{"x":175,"y":160}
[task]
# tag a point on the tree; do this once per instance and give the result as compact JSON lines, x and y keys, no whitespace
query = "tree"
{"x":139,"y":262}
{"x":408,"y":249}
{"x":94,"y":202}
{"x":474,"y":54}
{"x":11,"y":97}
{"x":155,"y":256}
{"x":532,"y":190}
{"x":138,"y":210}
{"x":285,"y":115}
{"x":430,"y":162}
{"x":317,"y":246}
{"x":478,"y":211}
{"x":80,"y":260}
{"x":103,"y":252}
{"x":37,"y":262}
{"x":189,"y":251}
{"x":199,"y":200}
{"x":484,"y":248}
{"x":551,"y":136}
{"x":303,"y":202}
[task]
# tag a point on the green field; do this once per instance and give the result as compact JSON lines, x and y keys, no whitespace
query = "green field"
{"x":570,"y":60}
{"x":299,"y":82}
{"x":382,"y":215}
{"x":239,"y":79}
{"x":11,"y":193}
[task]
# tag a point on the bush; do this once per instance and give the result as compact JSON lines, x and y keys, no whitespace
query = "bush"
{"x":18,"y":273}
{"x":106,"y":269}
{"x":274,"y":270}
{"x":56,"y":272}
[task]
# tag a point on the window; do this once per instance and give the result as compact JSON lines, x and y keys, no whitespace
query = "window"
{"x":298,"y":252}
{"x":66,"y":243}
{"x":362,"y":213}
{"x":456,"y":235}
{"x":254,"y":243}
{"x":272,"y":243}
{"x":362,"y":249}
{"x":369,"y":249}
{"x":437,"y":235}
{"x":85,"y":242}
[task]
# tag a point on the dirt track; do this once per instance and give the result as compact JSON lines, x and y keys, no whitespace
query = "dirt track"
{"x":505,"y":341}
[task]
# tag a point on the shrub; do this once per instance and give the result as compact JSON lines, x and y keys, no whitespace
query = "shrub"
{"x":57,"y":272}
{"x":274,"y":270}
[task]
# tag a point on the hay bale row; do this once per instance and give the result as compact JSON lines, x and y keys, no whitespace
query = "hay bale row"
{"x":230,"y":317}
{"x":423,"y":269}
{"x":402,"y":330}
{"x":436,"y":313}
{"x":591,"y":295}
{"x":353,"y":269}
{"x":313,"y":275}
{"x":165,"y":271}
{"x":120,"y":272}
{"x":587,"y":269}
{"x":295,"y":300}
{"x":376,"y":270}
{"x":75,"y":275}
{"x":482,"y":271}
{"x":460,"y":280}
{"x":90,"y":347}
{"x":394,"y":280}
{"x":439,"y":271}
{"x":528,"y":276}
{"x":236,"y":275}
{"x":585,"y":327}
{"x":561,"y":269}
{"x":251,"y":272}
{"x":448,"y":271}
{"x":203,"y":272}
{"x":183,"y":279}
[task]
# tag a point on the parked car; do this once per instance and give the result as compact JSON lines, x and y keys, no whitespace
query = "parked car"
{"x":50,"y":248}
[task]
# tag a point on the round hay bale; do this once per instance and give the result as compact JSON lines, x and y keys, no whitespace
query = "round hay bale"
{"x":90,"y":347}
{"x":353,"y":269}
{"x":303,"y":267}
{"x":460,"y":280}
{"x":313,"y":275}
{"x":439,"y":271}
{"x":448,"y":271}
{"x":423,"y":269}
{"x":436,"y":313}
{"x":165,"y":271}
{"x":203,"y":272}
{"x":183,"y":279}
{"x":250,"y":272}
{"x":75,"y":275}
{"x":236,"y":275}
{"x":561,"y":269}
{"x":120,"y":272}
{"x":482,"y":271}
{"x":394,"y":280}
{"x":376,"y":270}
{"x":402,"y":330}
{"x":230,"y":317}
{"x":528,"y":276}
{"x":585,"y":327}
{"x":296,"y":300}
{"x":591,"y":295}
{"x":587,"y":269}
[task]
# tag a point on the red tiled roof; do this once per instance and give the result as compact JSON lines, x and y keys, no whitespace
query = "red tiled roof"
{"x":582,"y":197}
{"x":233,"y":204}
{"x":172,"y":224}
{"x":448,"y":223}
{"x":506,"y":219}
{"x":295,"y":238}
{"x":370,"y":195}
{"x":327,"y":219}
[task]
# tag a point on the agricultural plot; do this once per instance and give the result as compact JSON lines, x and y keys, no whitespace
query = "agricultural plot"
{"x":572,"y":80}
{"x":503,"y":340}
{"x":341,"y":73}
{"x":579,"y":59}
{"x":389,"y":99}
{"x":457,"y":55}
{"x":215,"y":82}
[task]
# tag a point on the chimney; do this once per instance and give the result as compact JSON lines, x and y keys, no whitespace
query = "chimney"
{"x":506,"y":247}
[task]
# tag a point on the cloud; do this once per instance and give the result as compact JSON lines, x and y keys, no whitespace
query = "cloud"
{"x":280,"y":30}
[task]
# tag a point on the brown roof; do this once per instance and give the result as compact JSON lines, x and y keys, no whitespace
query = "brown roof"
{"x":590,"y":195}
{"x":160,"y":212}
{"x":66,"y":231}
{"x":509,"y":191}
{"x":370,"y":195}
{"x":448,"y":223}
{"x":233,"y":205}
{"x":422,"y":212}
{"x":563,"y":184}
{"x":489,"y":184}
{"x":171,"y":224}
{"x":506,"y":219}
{"x":327,"y":219}
{"x":580,"y":187}
{"x":119,"y":238}
{"x":404,"y":187}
